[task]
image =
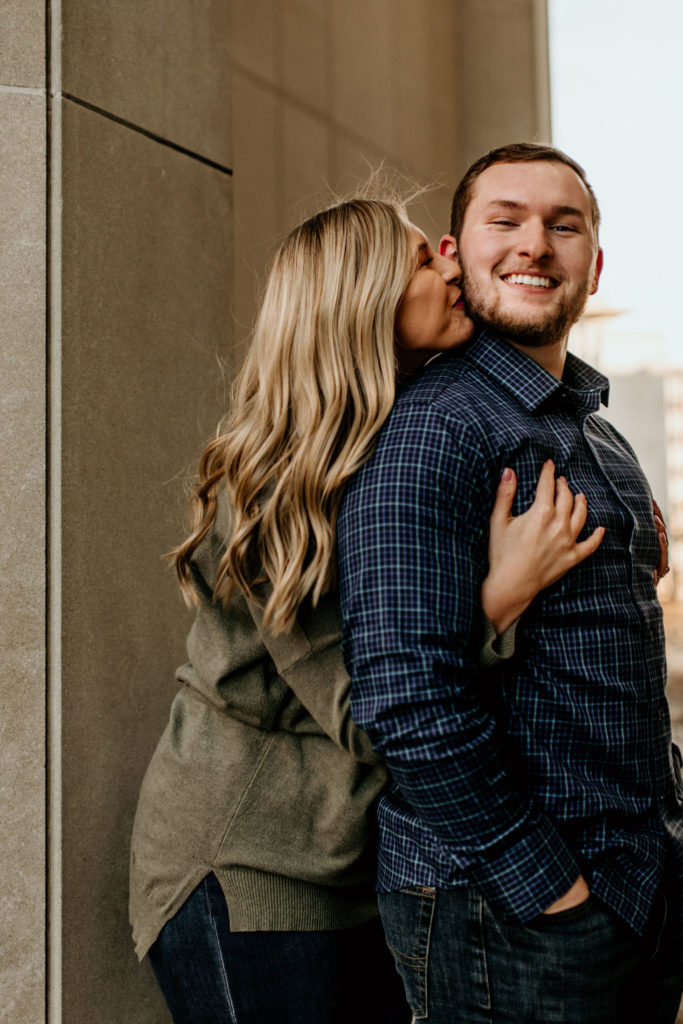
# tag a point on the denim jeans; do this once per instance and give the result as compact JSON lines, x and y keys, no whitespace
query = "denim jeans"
{"x":210,"y":975}
{"x":464,"y":962}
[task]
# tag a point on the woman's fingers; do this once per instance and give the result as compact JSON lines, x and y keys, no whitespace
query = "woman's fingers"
{"x":545,"y":488}
{"x":530,"y":551}
{"x":586,"y":547}
{"x":505,"y":495}
{"x":663,"y":567}
{"x":564,"y":499}
{"x":577,"y":520}
{"x":550,"y":525}
{"x":663,"y":540}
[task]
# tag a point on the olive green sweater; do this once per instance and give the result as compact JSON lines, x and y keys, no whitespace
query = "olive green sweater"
{"x":261,"y":776}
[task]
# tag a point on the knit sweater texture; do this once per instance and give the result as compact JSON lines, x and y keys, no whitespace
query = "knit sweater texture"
{"x":260,"y":776}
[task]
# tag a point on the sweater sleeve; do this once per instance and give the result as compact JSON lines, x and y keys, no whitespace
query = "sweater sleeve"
{"x":496,"y":649}
{"x":309,"y":659}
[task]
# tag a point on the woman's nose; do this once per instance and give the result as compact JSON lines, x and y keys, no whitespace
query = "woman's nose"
{"x":448,"y":268}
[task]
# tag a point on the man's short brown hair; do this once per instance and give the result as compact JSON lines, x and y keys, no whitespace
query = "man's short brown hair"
{"x":515,"y":153}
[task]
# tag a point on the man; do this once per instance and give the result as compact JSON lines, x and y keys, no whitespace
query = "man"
{"x":530,"y":837}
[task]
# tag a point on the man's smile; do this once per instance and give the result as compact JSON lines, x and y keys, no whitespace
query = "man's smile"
{"x":530,"y":280}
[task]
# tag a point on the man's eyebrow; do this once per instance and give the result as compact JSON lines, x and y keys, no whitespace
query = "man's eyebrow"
{"x":557,"y":211}
{"x":508,"y":204}
{"x":569,"y":211}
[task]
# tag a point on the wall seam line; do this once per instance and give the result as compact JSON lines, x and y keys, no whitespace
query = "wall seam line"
{"x":147,"y":133}
{"x":54,"y":1009}
{"x":46,"y":735}
{"x":23,"y":90}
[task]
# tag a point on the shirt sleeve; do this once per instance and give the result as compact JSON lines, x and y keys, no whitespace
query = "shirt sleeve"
{"x":412,"y":542}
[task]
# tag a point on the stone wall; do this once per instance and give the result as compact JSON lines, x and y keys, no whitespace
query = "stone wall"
{"x":23,"y":258}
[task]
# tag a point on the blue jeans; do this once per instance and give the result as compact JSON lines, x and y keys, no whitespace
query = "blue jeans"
{"x":464,"y":962}
{"x":210,"y":975}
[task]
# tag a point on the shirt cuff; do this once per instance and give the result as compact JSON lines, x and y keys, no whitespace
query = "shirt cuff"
{"x":495,"y":649}
{"x":530,"y":875}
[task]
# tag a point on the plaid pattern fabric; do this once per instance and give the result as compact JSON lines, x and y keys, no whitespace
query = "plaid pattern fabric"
{"x":560,"y":761}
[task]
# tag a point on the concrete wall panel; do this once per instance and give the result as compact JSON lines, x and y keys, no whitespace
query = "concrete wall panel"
{"x":306,"y":164}
{"x":22,"y":557}
{"x":259,"y":209}
{"x":502,"y":67}
{"x":161,"y":65}
{"x":22,"y":43}
{"x":146,"y":316}
{"x":425,"y":88}
{"x":305,"y":53}
{"x":322,"y":93}
{"x":255,"y":38}
{"x":363,"y":58}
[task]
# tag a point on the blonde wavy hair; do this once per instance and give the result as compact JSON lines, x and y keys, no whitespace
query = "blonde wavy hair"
{"x":316,"y":386}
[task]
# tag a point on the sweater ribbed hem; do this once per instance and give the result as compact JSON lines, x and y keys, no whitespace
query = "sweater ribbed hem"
{"x":261,"y":902}
{"x":496,"y":648}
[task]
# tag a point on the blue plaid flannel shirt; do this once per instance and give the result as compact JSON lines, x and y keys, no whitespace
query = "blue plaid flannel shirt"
{"x":561,"y":761}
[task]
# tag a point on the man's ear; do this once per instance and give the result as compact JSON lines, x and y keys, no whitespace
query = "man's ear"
{"x":598,"y":271}
{"x":448,"y":248}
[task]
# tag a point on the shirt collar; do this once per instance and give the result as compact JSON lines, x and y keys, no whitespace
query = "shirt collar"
{"x":582,"y":387}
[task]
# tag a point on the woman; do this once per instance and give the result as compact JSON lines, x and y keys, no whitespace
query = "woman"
{"x":253,"y":847}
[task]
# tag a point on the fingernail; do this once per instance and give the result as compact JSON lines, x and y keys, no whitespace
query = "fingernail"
{"x":549,"y":462}
{"x":507,"y":474}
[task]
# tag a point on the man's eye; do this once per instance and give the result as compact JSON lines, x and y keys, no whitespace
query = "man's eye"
{"x":502,"y":222}
{"x":563,"y":227}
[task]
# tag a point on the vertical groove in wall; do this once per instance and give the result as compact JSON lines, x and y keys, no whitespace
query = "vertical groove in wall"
{"x":48,"y":109}
{"x":54,"y":603}
{"x":330,"y":91}
{"x":542,"y":71}
{"x":278,"y":141}
{"x":458,"y":100}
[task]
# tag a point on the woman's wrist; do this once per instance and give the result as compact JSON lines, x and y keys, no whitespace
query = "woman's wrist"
{"x":500,"y":606}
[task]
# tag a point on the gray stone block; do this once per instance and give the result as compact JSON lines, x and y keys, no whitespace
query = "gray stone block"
{"x":22,"y":557}
{"x":22,"y":43}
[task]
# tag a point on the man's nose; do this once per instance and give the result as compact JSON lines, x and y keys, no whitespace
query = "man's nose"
{"x":534,"y":241}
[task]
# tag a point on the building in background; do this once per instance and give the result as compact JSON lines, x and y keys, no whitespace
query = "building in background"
{"x":646,"y":405}
{"x":673,"y":399}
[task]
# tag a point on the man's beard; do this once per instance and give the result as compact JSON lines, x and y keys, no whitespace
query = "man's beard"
{"x":533,"y":332}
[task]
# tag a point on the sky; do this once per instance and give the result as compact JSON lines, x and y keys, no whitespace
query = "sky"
{"x":617,"y":108}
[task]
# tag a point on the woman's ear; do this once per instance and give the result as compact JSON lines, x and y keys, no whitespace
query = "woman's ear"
{"x":448,"y":248}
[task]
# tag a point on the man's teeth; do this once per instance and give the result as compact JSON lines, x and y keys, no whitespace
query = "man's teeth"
{"x":537,"y":282}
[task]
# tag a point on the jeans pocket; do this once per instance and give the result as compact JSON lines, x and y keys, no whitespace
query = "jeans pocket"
{"x":407,"y":920}
{"x":565,"y":917}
